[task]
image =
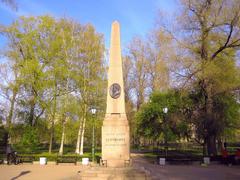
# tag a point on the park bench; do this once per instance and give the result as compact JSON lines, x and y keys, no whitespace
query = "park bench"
{"x":98,"y":159}
{"x":180,"y":161}
{"x":25,"y":159}
{"x":67,"y":159}
{"x":2,"y":158}
{"x":103,"y":162}
{"x":230,"y":159}
{"x":216,"y":158}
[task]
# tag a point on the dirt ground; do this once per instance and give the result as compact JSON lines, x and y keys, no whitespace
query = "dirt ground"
{"x":168,"y":172}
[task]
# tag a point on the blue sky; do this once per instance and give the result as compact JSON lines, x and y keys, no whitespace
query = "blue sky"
{"x":136,"y":17}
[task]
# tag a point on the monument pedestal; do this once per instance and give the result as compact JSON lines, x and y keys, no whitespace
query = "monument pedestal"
{"x":101,"y":173}
{"x":115,"y":140}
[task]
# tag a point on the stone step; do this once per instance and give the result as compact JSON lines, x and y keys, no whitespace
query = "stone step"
{"x":88,"y":174}
{"x":102,"y":173}
{"x":92,"y":178}
{"x":139,"y":176}
{"x":130,"y":174}
{"x":113,"y":178}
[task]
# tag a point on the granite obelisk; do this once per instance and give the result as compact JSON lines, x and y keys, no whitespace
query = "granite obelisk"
{"x":115,"y":129}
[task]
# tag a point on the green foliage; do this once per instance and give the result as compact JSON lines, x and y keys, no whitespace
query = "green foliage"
{"x":228,"y":110}
{"x":59,"y":73}
{"x":71,"y":131}
{"x":154,"y":124}
{"x":3,"y":138}
{"x":148,"y":120}
{"x":42,"y":130}
{"x":16,"y":132}
{"x":53,"y":156}
{"x":225,"y":116}
{"x":59,"y":70}
{"x":222,"y":73}
{"x":30,"y":139}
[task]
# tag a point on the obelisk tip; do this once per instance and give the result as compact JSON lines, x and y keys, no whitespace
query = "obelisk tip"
{"x":115,"y":22}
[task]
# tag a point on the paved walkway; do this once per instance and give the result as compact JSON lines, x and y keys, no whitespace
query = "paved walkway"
{"x":188,"y":172}
{"x":35,"y":172}
{"x":168,"y":172}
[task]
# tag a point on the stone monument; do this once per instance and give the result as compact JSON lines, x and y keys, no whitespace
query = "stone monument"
{"x":115,"y":129}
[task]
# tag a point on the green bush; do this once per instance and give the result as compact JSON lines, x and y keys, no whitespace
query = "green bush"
{"x":53,"y":157}
{"x":30,"y":140}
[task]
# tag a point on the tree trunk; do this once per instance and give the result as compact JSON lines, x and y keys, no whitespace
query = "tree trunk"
{"x":211,"y":145}
{"x":31,"y":115}
{"x":219,"y":144}
{"x":10,"y":115}
{"x":211,"y":136}
{"x":51,"y":137}
{"x":83,"y":129}
{"x":77,"y":151}
{"x":82,"y":136}
{"x":204,"y":148}
{"x":52,"y":123}
{"x":63,"y":137}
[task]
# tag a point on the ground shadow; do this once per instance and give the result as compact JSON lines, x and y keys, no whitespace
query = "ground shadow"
{"x":21,"y":174}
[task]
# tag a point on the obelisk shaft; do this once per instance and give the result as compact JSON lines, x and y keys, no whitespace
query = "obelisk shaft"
{"x":115,"y":129}
{"x":115,"y":73}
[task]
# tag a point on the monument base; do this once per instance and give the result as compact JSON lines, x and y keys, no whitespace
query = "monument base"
{"x":115,"y":141}
{"x":102,"y":173}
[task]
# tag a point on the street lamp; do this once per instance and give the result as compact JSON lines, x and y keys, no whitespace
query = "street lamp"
{"x":165,"y":110}
{"x":93,"y":111}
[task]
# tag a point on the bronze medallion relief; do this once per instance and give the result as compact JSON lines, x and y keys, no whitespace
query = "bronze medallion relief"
{"x":115,"y":90}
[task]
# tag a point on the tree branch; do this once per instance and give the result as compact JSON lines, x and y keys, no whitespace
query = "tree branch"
{"x":225,"y":45}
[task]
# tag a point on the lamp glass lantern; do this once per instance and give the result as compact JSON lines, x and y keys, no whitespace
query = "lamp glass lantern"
{"x":93,"y":110}
{"x":165,"y":110}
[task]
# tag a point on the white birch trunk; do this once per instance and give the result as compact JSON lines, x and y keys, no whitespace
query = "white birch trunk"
{"x":62,"y":139}
{"x":82,"y":136}
{"x":77,"y":151}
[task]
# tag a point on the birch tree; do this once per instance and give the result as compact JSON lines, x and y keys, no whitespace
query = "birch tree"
{"x":87,"y":74}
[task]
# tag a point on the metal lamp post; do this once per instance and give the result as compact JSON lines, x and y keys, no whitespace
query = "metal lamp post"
{"x":165,"y":110}
{"x":93,"y":111}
